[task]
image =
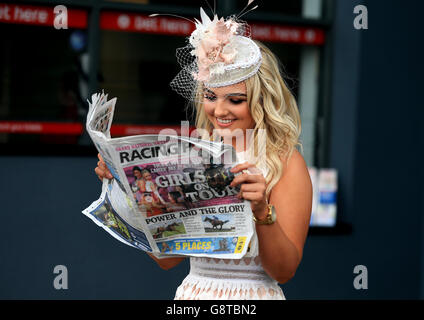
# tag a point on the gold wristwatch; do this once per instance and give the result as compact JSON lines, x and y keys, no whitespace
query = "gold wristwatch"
{"x":270,"y":217}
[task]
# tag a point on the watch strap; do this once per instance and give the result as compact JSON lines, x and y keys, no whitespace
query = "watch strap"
{"x":268,"y":219}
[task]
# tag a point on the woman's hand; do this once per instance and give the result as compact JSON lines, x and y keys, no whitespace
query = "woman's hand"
{"x":101,"y":170}
{"x":253,"y":188}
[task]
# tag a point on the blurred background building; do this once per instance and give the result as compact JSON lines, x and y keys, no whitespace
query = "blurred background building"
{"x":358,"y":97}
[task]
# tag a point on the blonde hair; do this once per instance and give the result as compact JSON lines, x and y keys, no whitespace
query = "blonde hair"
{"x":274,"y":110}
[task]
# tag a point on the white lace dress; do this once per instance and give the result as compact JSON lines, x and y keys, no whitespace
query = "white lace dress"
{"x":227,"y":279}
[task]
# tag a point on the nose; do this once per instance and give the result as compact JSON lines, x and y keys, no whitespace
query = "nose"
{"x":220,"y":108}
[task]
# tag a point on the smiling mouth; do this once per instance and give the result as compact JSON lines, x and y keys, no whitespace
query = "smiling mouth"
{"x":225,"y":121}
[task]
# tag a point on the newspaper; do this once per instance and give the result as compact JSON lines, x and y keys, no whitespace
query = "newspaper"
{"x":170,"y":195}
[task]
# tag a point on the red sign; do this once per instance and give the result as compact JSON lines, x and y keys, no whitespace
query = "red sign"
{"x":37,"y":15}
{"x":287,"y":34}
{"x":133,"y":22}
{"x":76,"y":128}
{"x":32,"y":127}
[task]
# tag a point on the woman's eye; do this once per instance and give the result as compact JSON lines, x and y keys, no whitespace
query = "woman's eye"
{"x":236,"y":101}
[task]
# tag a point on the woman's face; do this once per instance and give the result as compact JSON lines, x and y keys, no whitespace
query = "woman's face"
{"x":137,"y":174}
{"x":147,"y":176}
{"x":227,"y":108}
{"x":170,"y":198}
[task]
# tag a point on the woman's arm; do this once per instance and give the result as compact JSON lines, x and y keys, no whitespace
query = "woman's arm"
{"x":166,"y":263}
{"x":281,"y":243}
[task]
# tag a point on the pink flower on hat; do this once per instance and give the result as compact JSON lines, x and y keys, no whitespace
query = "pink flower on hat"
{"x":212,"y":43}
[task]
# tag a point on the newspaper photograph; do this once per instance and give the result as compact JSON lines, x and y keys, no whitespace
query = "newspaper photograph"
{"x":170,"y":195}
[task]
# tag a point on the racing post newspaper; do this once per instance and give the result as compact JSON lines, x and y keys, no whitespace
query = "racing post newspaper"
{"x":170,"y":195}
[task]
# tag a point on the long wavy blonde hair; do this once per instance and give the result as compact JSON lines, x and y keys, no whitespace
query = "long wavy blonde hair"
{"x":274,"y":110}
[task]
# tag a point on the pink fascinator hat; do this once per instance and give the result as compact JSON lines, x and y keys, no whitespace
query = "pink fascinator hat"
{"x":220,"y":52}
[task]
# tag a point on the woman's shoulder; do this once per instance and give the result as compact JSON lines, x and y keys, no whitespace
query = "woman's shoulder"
{"x":293,"y":159}
{"x":294,"y":164}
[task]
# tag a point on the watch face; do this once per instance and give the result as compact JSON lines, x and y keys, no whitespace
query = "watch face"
{"x":273,"y":214}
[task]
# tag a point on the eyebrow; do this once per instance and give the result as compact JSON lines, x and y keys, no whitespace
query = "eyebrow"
{"x":235,"y":94}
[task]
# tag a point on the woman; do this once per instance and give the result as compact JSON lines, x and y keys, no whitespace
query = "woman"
{"x":175,"y":203}
{"x":150,"y":186}
{"x":138,"y":186}
{"x":151,"y":205}
{"x":236,"y":86}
